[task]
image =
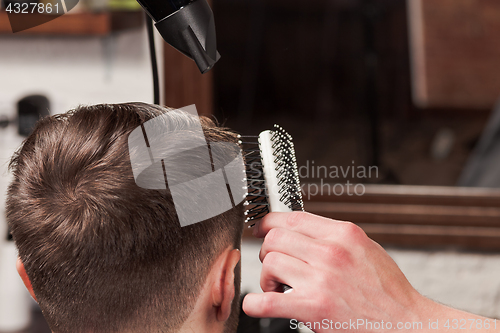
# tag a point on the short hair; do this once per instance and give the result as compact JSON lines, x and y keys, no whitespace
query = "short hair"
{"x":103,"y":254}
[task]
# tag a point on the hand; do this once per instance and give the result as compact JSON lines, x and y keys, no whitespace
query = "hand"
{"x":337,"y":273}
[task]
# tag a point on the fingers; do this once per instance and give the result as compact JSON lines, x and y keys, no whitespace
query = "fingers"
{"x":271,"y":305}
{"x":291,"y":243}
{"x":307,"y":224}
{"x":279,"y":268}
{"x":313,"y":255}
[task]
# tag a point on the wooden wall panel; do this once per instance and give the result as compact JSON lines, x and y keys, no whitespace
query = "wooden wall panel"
{"x":455,"y":53}
{"x":418,"y":216}
{"x":79,"y":24}
{"x":184,"y":84}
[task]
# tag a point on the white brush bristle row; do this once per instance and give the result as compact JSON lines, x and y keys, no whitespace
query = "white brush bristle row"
{"x":272,"y":174}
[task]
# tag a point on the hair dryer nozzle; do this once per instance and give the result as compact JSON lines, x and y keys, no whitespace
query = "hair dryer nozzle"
{"x":191,"y":30}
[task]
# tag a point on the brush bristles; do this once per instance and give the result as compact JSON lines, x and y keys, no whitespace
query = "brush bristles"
{"x":256,"y":205}
{"x":286,"y":166}
{"x":287,"y":173}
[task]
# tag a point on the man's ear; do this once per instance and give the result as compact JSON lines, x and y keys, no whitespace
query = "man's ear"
{"x":223,"y":288}
{"x":24,"y":277}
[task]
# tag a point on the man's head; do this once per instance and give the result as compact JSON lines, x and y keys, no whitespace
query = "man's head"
{"x":103,"y":254}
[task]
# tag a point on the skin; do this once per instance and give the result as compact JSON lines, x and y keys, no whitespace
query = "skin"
{"x":213,"y":307}
{"x":339,"y":274}
{"x":336,"y":271}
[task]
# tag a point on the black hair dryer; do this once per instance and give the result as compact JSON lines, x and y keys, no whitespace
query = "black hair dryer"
{"x":187,"y":25}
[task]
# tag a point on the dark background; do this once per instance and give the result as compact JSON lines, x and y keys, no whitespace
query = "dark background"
{"x":336,"y":75}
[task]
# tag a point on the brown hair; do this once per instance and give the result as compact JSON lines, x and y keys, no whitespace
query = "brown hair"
{"x":102,"y":254}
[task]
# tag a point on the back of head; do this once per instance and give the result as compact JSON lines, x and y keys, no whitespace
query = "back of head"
{"x":103,"y":254}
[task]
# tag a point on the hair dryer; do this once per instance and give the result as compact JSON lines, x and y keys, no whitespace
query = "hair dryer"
{"x":187,"y":25}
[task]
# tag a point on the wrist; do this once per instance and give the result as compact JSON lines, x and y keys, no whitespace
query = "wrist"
{"x":436,"y":317}
{"x":420,"y":311}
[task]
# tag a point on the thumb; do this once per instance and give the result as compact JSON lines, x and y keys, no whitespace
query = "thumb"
{"x":270,"y":305}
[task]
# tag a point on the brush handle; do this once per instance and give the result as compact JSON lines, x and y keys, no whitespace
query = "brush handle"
{"x":271,"y":179}
{"x":271,"y":173}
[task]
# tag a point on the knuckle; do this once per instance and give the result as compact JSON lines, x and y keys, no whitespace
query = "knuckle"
{"x":272,"y":236}
{"x":353,"y":231}
{"x":336,"y":254}
{"x":270,"y":260}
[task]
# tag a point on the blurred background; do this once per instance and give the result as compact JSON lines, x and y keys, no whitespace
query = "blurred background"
{"x":392,"y":105}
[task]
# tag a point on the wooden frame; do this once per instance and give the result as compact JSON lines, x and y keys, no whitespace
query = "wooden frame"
{"x":184,"y":84}
{"x":419,"y":216}
{"x":454,"y":53}
{"x":80,"y":24}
